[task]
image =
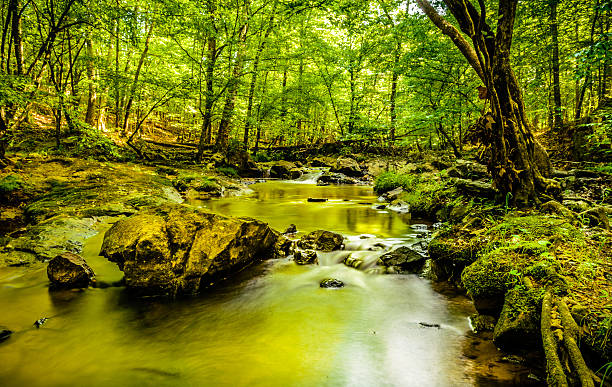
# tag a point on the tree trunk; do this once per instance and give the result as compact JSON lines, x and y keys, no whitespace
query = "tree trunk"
{"x":262,"y":45}
{"x":518,"y":163}
{"x":394,"y":79}
{"x":15,"y":7}
{"x":222,"y":141}
{"x":90,"y":118}
{"x":143,"y":56}
{"x":206,"y":131}
{"x":554,"y":31}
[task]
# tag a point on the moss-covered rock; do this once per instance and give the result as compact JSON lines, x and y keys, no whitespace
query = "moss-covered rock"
{"x":449,"y":257}
{"x":486,"y":282}
{"x":518,"y":326}
{"x":173,"y":250}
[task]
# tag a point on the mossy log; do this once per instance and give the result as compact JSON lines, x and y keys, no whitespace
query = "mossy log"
{"x":570,"y":337}
{"x":554,"y":370}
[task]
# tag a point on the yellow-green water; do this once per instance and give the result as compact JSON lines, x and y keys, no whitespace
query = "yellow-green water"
{"x":272,"y":326}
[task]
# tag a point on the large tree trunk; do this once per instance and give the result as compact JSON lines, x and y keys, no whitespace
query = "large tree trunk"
{"x":518,"y":164}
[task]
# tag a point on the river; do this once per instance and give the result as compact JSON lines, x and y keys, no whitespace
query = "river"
{"x":271,"y":326}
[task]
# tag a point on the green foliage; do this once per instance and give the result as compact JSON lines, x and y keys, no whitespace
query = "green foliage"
{"x":10,"y":184}
{"x":228,"y":171}
{"x":388,"y":181}
{"x":90,"y":142}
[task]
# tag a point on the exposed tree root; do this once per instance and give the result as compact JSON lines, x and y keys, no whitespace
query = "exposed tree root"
{"x":554,"y":370}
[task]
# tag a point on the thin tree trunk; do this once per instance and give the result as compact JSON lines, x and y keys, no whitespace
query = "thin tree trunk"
{"x":392,"y":98}
{"x":91,"y":97}
{"x":222,"y":141}
{"x":15,"y":7}
{"x":557,"y":116}
{"x":143,"y":56}
{"x":206,"y":132}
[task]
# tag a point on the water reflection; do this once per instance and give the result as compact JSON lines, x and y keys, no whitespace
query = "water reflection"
{"x":271,"y":326}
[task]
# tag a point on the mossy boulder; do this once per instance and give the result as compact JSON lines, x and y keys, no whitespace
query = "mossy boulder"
{"x":69,"y":270}
{"x":518,"y":326}
{"x":449,"y":257}
{"x":321,"y":240}
{"x":486,"y":282}
{"x":174,"y":250}
{"x":282,"y":169}
{"x":347,"y":166}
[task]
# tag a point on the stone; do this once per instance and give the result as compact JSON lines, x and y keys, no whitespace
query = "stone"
{"x":393,"y":194}
{"x":282,"y":169}
{"x":321,"y":240}
{"x":292,"y":229}
{"x":175,"y":250}
{"x":5,"y":334}
{"x":518,"y":326}
{"x":322,"y":162}
{"x":468,"y":170}
{"x":305,"y":257}
{"x":347,"y":166}
{"x":331,"y":283}
{"x":597,"y":216}
{"x":353,"y":262}
{"x":403,"y":259}
{"x":335,"y":178}
{"x":482,"y":323}
{"x":478,"y":188}
{"x":69,"y":270}
{"x":295,"y":173}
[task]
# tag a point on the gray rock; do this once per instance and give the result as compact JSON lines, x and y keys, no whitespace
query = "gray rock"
{"x":347,"y":166}
{"x":476,"y":188}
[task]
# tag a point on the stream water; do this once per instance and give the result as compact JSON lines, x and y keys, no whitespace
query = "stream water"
{"x":272,"y":326}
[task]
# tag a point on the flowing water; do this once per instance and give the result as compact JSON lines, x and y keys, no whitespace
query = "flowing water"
{"x":272,"y":326}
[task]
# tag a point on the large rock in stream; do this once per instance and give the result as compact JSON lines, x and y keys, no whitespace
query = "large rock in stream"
{"x":403,"y":260}
{"x":321,"y":240}
{"x":174,"y":250}
{"x":69,"y":270}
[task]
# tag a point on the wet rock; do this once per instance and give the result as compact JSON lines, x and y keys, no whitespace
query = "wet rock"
{"x":518,"y":326}
{"x":295,"y":173}
{"x":353,"y":262}
{"x":317,"y":200}
{"x":282,"y":169}
{"x":173,"y":250}
{"x":292,"y":229}
{"x":448,"y":259}
{"x":347,"y":166}
{"x":321,"y":240}
{"x":5,"y":334}
{"x":380,"y":206}
{"x":429,"y":325}
{"x":331,"y":283}
{"x":467,"y":169}
{"x":305,"y":257}
{"x":403,"y":259}
{"x":399,"y":206}
{"x":69,"y":270}
{"x":335,"y":178}
{"x":40,"y":322}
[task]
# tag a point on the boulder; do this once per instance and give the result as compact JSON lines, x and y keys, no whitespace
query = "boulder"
{"x":597,"y":216}
{"x":305,"y":257}
{"x":282,"y":169}
{"x":393,"y":194}
{"x":403,"y":259}
{"x":331,"y":283}
{"x":322,"y":162}
{"x":335,"y":178}
{"x":347,"y":166}
{"x":477,"y":188}
{"x":321,"y":240}
{"x":295,"y":173}
{"x":173,"y":250}
{"x":518,"y":326}
{"x":292,"y":229}
{"x":69,"y":270}
{"x":482,"y":323}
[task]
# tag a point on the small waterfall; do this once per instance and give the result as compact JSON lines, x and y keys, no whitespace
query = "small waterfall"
{"x":310,"y":177}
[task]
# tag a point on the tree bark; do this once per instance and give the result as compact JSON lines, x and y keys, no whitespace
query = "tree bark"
{"x":518,"y":164}
{"x":15,"y":7}
{"x":90,"y":118}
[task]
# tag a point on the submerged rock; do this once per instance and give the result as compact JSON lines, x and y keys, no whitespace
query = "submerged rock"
{"x":40,"y":322}
{"x":331,"y":283}
{"x":305,"y":257}
{"x":321,"y":240}
{"x":69,"y":270}
{"x":403,"y":259}
{"x":173,"y":250}
{"x":5,"y":334}
{"x":353,"y":262}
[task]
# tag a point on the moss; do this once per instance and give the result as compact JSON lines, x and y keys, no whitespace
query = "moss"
{"x":388,"y":181}
{"x":228,"y":171}
{"x":487,"y":277}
